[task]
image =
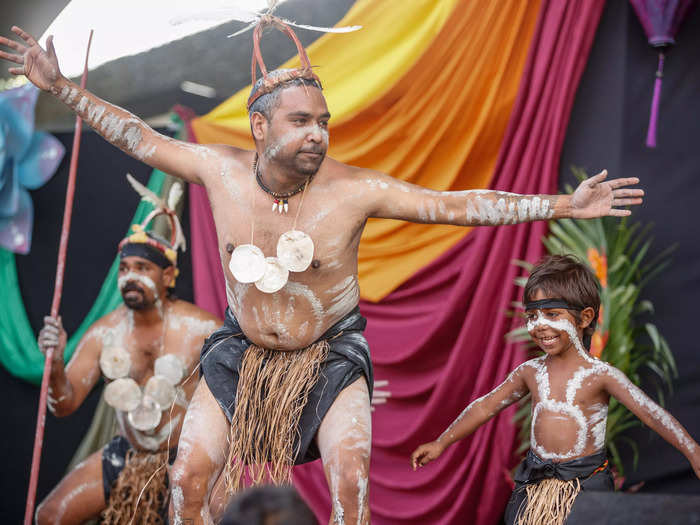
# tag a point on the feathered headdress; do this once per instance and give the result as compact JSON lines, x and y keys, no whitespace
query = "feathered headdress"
{"x":140,"y":236}
{"x":259,"y":21}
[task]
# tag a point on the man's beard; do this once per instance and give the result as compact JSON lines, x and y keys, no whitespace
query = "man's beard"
{"x":135,"y":302}
{"x":308,"y":168}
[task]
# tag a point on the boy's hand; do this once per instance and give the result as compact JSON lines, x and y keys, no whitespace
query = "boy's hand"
{"x":426,"y":453}
{"x":53,"y":335}
{"x":39,"y":66}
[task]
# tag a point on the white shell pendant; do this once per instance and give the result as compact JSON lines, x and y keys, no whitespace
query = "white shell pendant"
{"x":276,"y":276}
{"x":123,"y":394}
{"x":115,"y":362}
{"x":146,"y":415}
{"x":160,"y":390}
{"x":247,"y":263}
{"x":296,"y":250}
{"x":170,"y":367}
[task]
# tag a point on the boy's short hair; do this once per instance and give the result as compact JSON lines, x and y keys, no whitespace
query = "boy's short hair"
{"x":565,"y":277}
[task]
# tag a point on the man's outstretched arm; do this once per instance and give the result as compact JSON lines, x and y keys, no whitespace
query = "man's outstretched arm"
{"x":391,"y":198}
{"x":116,"y":125}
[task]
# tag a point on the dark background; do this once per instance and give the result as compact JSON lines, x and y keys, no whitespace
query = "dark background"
{"x":607,"y":130}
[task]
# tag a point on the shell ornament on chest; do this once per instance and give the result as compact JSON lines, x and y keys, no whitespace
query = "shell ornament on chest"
{"x":144,"y":406}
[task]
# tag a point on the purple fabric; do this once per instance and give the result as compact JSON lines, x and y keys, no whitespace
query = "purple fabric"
{"x":661,"y":18}
{"x":439,"y":338}
{"x":654,"y":114}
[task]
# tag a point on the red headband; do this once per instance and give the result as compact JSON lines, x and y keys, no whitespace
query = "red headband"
{"x":269,"y":83}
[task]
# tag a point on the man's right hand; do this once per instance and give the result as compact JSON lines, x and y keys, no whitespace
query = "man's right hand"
{"x":39,"y":66}
{"x":53,"y":335}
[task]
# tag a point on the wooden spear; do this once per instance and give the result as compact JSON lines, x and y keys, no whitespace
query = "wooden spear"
{"x":58,"y":289}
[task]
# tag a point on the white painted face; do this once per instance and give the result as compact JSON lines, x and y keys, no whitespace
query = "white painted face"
{"x":138,"y":283}
{"x":553,"y":331}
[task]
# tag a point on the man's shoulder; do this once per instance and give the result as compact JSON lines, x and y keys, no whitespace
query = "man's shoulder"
{"x":339,"y":171}
{"x":110,"y":319}
{"x":229,"y":160}
{"x":186,"y":309}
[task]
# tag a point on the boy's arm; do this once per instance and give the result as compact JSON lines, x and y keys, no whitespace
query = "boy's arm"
{"x":69,"y":385}
{"x":476,"y":414}
{"x":652,"y":415}
{"x":116,"y":125}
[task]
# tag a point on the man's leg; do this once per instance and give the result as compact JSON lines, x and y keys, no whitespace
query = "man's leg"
{"x":78,"y":497}
{"x":201,"y":453}
{"x":345,"y":440}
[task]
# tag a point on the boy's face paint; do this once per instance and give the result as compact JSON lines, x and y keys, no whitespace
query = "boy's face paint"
{"x":554,"y":330}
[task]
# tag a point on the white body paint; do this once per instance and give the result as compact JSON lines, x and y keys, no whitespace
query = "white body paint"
{"x":141,"y":279}
{"x":296,"y":135}
{"x":590,"y":429}
{"x":500,"y":211}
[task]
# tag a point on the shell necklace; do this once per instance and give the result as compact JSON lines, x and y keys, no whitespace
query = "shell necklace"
{"x":144,"y":406}
{"x":295,"y":250}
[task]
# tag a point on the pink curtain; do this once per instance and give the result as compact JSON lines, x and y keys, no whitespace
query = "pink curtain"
{"x":438,"y":339}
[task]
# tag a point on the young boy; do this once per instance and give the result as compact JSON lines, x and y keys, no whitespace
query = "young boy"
{"x":570,"y":394}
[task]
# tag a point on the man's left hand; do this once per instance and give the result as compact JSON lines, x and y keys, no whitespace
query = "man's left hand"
{"x":596,"y":197}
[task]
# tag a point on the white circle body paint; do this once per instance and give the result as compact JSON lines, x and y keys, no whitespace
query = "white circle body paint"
{"x":296,"y":250}
{"x":146,"y":415}
{"x":123,"y":394}
{"x":247,"y":263}
{"x":170,"y":367}
{"x":115,"y":362}
{"x":160,"y":390}
{"x":276,"y":276}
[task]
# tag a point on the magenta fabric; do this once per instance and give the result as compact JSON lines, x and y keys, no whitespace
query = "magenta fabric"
{"x":439,"y":338}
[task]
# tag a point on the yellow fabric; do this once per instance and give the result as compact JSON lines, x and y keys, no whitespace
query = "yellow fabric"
{"x":437,"y":118}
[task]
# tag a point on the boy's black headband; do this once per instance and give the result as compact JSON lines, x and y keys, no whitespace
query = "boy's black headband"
{"x":551,"y":303}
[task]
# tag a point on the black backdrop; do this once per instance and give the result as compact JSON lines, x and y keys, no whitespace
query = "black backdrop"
{"x":607,"y":129}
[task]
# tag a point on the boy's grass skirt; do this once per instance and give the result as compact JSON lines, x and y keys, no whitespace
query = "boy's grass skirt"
{"x":276,"y":400}
{"x":545,"y":491}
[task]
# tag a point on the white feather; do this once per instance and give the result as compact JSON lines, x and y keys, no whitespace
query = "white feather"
{"x":344,"y":29}
{"x":145,"y":193}
{"x":174,"y":195}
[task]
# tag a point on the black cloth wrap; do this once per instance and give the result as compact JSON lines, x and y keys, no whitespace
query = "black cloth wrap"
{"x":534,"y":469}
{"x":114,"y":460}
{"x":551,"y":303}
{"x":146,"y":251}
{"x":348,"y":359}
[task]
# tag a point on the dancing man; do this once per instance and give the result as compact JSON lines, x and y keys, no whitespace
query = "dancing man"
{"x":147,"y":350}
{"x":288,"y":377}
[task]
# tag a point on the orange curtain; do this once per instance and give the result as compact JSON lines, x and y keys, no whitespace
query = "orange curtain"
{"x":439,"y":124}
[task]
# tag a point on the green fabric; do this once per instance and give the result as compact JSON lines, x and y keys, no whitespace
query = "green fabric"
{"x":19,"y":352}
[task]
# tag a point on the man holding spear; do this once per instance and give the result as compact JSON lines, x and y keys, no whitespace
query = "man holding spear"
{"x":147,"y":350}
{"x":293,"y":330}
